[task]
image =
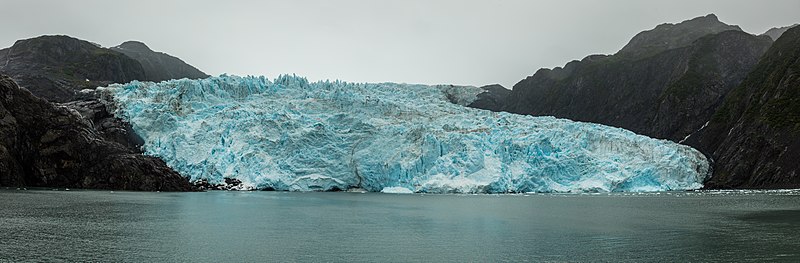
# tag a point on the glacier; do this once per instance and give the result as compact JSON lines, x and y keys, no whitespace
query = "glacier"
{"x":292,"y":134}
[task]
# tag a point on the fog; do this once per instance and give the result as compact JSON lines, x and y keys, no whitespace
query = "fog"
{"x":408,"y":41}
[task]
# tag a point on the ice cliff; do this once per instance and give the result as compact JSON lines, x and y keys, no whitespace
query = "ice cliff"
{"x":289,"y":134}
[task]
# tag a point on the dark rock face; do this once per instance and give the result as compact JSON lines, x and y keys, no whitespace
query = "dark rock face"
{"x":106,"y":124}
{"x":754,"y":137}
{"x":158,"y":66}
{"x":719,"y":91}
{"x":668,"y":95}
{"x":77,"y":142}
{"x":776,"y":32}
{"x":230,"y":184}
{"x":493,"y":98}
{"x":670,"y":36}
{"x":56,"y":67}
{"x":717,"y":64}
{"x":47,"y":145}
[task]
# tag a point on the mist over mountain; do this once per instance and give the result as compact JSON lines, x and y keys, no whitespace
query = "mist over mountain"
{"x":776,"y":32}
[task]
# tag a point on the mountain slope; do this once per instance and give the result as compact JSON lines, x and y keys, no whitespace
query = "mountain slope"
{"x":670,"y":36}
{"x":776,"y":32}
{"x":666,"y":90}
{"x":492,"y":98}
{"x":45,"y":145}
{"x":158,"y":66}
{"x":55,"y":67}
{"x":755,"y":135}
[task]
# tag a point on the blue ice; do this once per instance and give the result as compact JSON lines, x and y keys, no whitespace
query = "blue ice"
{"x":292,"y":134}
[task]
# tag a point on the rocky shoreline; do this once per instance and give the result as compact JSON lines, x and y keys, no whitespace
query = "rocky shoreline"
{"x":48,"y":145}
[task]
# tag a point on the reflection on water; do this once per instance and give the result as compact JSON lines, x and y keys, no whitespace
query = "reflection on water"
{"x":278,"y":226}
{"x":786,"y":217}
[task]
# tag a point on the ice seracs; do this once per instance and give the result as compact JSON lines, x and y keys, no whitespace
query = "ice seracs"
{"x":290,"y":134}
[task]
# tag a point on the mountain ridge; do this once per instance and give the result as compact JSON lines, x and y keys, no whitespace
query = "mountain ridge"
{"x":57,"y":67}
{"x":776,"y":32}
{"x":47,"y":145}
{"x":676,"y":90}
{"x":754,"y":137}
{"x":158,"y":66}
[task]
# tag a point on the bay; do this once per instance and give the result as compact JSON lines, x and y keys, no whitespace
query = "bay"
{"x":220,"y":226}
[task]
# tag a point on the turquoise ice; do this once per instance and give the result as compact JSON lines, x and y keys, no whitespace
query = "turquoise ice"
{"x":290,"y":134}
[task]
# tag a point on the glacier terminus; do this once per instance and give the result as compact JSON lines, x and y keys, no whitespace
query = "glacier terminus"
{"x":291,"y":134}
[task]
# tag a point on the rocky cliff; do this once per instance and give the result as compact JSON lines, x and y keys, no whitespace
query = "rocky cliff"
{"x":56,"y":67}
{"x":492,"y":98}
{"x":666,"y":83}
{"x":158,"y":66}
{"x":671,"y":36}
{"x":754,"y":137}
{"x":776,"y":32}
{"x":47,"y":145}
{"x":75,"y":142}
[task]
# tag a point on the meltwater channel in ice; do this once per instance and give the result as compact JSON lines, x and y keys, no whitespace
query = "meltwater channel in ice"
{"x":290,"y":134}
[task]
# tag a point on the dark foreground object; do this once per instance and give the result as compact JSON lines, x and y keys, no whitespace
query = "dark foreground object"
{"x":45,"y":145}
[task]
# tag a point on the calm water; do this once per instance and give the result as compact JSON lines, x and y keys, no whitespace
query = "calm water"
{"x":220,"y":226}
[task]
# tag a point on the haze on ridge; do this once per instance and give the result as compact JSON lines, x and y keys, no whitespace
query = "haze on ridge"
{"x":414,"y":41}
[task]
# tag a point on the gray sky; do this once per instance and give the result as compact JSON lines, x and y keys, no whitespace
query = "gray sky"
{"x":411,"y":41}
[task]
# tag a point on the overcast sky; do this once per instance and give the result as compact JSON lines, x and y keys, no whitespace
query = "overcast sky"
{"x":411,"y":41}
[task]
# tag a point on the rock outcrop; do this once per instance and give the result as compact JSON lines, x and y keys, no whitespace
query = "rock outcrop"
{"x":492,"y":98}
{"x":776,"y":32}
{"x":700,"y":82}
{"x":158,"y":66}
{"x":754,"y":137}
{"x":664,"y":91}
{"x":671,"y":36}
{"x":57,"y":67}
{"x":47,"y":145}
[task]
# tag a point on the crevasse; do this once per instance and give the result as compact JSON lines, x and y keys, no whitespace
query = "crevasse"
{"x":289,"y":134}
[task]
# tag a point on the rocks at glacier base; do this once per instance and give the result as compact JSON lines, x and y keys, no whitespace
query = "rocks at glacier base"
{"x":108,"y":126}
{"x":46,"y":145}
{"x":492,"y":98}
{"x":84,"y":145}
{"x":754,"y":137}
{"x":289,"y":134}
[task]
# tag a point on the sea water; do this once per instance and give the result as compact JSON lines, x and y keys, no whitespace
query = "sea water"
{"x":219,"y":226}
